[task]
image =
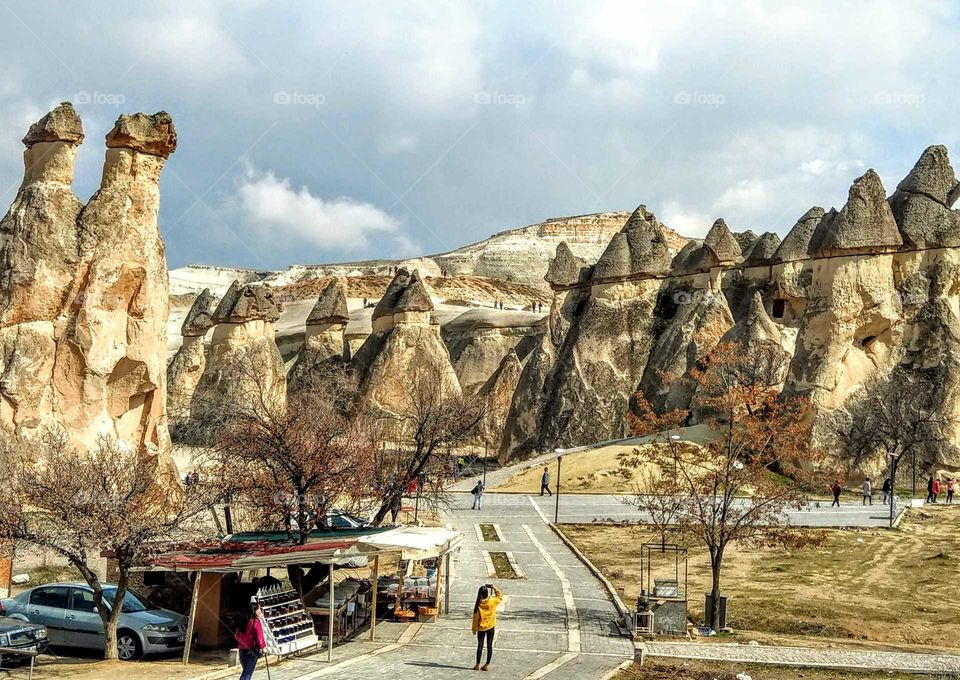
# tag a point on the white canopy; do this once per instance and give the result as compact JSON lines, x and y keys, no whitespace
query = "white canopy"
{"x":415,"y":543}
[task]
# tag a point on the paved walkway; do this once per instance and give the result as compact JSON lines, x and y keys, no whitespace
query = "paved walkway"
{"x":795,"y":656}
{"x":557,"y":622}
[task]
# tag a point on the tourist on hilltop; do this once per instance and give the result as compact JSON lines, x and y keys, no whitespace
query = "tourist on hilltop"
{"x":936,"y":489}
{"x":250,"y":640}
{"x":950,"y":485}
{"x":837,"y":490}
{"x":867,"y":491}
{"x":887,"y":490}
{"x":489,"y":598}
{"x":477,"y":496}
{"x":930,"y":498}
{"x":545,"y":481}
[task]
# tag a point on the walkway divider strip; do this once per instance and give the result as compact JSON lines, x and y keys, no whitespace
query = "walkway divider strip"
{"x":573,"y":620}
{"x":537,"y":508}
{"x":552,"y":666}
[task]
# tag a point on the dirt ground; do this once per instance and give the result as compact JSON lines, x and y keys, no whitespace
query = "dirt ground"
{"x":594,"y":471}
{"x":885,"y":589}
{"x":666,"y":669}
{"x":89,"y":667}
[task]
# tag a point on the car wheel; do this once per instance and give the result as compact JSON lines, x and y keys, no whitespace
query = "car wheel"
{"x":128,"y":646}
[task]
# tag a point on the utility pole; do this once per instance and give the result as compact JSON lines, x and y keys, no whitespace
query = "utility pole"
{"x":556,"y":507}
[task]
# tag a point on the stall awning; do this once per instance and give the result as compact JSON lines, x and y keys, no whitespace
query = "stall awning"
{"x":414,"y":543}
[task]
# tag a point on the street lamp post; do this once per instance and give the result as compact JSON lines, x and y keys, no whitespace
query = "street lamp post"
{"x":894,"y":459}
{"x":556,"y":507}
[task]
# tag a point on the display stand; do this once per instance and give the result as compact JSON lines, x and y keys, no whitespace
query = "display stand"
{"x":287,"y":627}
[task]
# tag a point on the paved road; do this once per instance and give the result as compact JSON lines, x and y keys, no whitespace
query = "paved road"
{"x":586,"y":508}
{"x":822,"y":658}
{"x":556,"y":623}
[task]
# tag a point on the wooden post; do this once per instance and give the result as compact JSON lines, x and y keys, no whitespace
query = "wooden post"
{"x":373,"y":599}
{"x":446,"y":588}
{"x":437,"y":587}
{"x":399,"y":602}
{"x":191,"y":620}
{"x":330,"y":621}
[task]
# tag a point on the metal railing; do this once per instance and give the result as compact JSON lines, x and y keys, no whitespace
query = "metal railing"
{"x":13,"y":651}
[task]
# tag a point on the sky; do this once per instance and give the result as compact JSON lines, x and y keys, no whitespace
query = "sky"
{"x":320,"y":132}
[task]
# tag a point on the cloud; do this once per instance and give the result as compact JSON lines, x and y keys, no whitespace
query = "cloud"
{"x":273,"y":209}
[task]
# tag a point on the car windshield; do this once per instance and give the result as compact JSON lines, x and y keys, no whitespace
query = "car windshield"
{"x":131,"y":601}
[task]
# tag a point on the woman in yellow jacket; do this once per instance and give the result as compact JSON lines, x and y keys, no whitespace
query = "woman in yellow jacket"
{"x":489,"y":598}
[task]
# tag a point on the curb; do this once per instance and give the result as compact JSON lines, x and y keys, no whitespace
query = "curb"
{"x":612,"y":674}
{"x":617,"y":602}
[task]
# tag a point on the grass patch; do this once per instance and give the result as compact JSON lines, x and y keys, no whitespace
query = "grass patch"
{"x":502,"y":566}
{"x":52,"y":574}
{"x":876,"y":588}
{"x":489,"y":533}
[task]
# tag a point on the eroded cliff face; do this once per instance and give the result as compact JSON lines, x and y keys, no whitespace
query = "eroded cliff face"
{"x":850,"y":299}
{"x":187,"y":365}
{"x":324,"y":341}
{"x":83,"y":295}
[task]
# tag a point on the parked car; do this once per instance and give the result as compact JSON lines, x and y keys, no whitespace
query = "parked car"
{"x":338,"y":519}
{"x":18,"y":634}
{"x":71,"y":619}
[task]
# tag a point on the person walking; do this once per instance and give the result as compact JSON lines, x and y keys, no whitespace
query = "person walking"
{"x":477,"y":495}
{"x":936,"y":489}
{"x":489,"y":598}
{"x":886,"y":489}
{"x":867,"y":491}
{"x":250,"y":640}
{"x":545,"y":481}
{"x":930,"y":490}
{"x":950,"y":485}
{"x":837,"y":490}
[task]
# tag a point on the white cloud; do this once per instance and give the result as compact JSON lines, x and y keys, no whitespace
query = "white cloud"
{"x":684,"y":221}
{"x":272,"y":207}
{"x":391,"y":143}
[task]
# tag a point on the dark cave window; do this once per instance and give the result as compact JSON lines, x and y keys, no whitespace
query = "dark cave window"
{"x":779,"y":309}
{"x":867,"y":340}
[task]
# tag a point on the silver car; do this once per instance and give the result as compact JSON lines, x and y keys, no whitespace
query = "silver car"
{"x":71,"y":619}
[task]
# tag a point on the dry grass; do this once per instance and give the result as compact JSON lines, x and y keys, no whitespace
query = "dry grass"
{"x":879,"y":587}
{"x":667,"y":669}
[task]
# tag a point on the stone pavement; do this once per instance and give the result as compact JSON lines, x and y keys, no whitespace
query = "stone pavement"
{"x":557,"y":622}
{"x":795,"y":656}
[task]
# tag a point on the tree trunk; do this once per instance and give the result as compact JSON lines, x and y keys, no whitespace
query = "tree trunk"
{"x":715,"y":563}
{"x":111,"y":621}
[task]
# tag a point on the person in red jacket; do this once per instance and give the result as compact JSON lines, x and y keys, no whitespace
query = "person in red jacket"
{"x":250,"y":641}
{"x":936,"y":489}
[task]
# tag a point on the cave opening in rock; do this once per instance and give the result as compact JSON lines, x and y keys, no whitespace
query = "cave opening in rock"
{"x":779,"y":309}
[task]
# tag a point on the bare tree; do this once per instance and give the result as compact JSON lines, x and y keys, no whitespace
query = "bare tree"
{"x":737,"y":488}
{"x":432,"y":417}
{"x":902,"y":415}
{"x":79,"y":503}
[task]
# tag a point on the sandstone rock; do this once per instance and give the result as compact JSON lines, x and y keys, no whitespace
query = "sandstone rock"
{"x":755,"y":329}
{"x":497,"y":392}
{"x":155,"y":135}
{"x":745,"y":239}
{"x":84,"y":297}
{"x":762,"y":250}
{"x":797,"y":242}
{"x":639,"y":248}
{"x":405,"y":341}
{"x":865,"y":224}
{"x":324,"y":341}
{"x":564,"y":269}
{"x":933,"y":176}
{"x":686,"y":259}
{"x":199,"y":319}
{"x":60,"y":125}
{"x":247,"y":302}
{"x":722,"y":243}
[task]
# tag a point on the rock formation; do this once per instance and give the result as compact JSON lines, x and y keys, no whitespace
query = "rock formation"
{"x":243,"y":363}
{"x":497,"y":394}
{"x":405,"y":340}
{"x":850,"y":299}
{"x":187,"y":366}
{"x":84,"y":292}
{"x":324,"y":340}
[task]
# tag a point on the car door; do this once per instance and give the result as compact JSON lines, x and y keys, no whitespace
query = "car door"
{"x":82,"y":623}
{"x":47,"y":606}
